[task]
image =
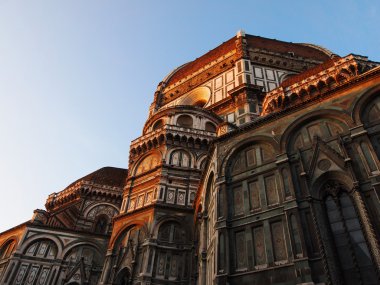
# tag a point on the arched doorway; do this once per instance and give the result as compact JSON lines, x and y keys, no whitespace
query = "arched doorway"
{"x":122,"y":277}
{"x":346,"y":235}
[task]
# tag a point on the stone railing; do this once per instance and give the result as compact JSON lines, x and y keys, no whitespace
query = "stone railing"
{"x":172,"y":130}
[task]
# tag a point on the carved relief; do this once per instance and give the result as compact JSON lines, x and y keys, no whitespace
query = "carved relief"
{"x":161,"y":264}
{"x":254,"y":194}
{"x":181,"y":197}
{"x":132,"y":204}
{"x":32,"y":275}
{"x":271,"y":190}
{"x":102,"y":209}
{"x":238,"y":200}
{"x":240,"y":250}
{"x":170,"y":196}
{"x":21,"y":274}
{"x":43,"y":276}
{"x":259,"y":244}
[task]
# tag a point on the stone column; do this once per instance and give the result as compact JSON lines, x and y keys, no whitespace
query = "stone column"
{"x":367,"y":227}
{"x":203,"y":252}
{"x":106,"y":268}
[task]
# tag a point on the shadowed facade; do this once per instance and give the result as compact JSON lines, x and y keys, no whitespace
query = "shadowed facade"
{"x":258,"y":164}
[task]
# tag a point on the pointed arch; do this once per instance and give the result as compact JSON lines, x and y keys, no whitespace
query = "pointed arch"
{"x":235,"y":149}
{"x":290,"y":134}
{"x":343,"y":232}
{"x":360,"y":105}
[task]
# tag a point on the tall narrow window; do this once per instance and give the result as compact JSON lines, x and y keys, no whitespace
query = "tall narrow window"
{"x":352,"y":250}
{"x":368,"y":156}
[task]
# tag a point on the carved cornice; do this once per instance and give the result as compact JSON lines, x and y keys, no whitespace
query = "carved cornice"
{"x":341,"y":71}
{"x":72,"y":193}
{"x":167,"y":133}
{"x":299,"y":105}
{"x":281,"y":61}
{"x":171,"y":110}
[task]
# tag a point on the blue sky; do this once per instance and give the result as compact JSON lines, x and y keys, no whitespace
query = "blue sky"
{"x":77,"y":77}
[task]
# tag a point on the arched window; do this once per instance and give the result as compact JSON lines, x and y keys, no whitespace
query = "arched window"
{"x":42,"y":249}
{"x":180,"y":158}
{"x":251,"y":157}
{"x":148,"y":163}
{"x":7,"y":249}
{"x":185,"y":121}
{"x":258,"y":191}
{"x":353,"y":254}
{"x":371,"y":113}
{"x":210,"y":127}
{"x":171,"y":232}
{"x":324,"y":128}
{"x":122,"y":277}
{"x":158,"y":124}
{"x":89,"y":254}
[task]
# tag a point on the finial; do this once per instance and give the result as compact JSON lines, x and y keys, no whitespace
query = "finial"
{"x":240,"y":33}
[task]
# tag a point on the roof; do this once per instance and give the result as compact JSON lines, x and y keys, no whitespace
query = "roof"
{"x":108,"y":176}
{"x":300,"y":50}
{"x":307,"y":51}
{"x":298,"y":77}
{"x":205,"y":59}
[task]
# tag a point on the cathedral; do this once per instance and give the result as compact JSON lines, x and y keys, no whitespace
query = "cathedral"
{"x":259,"y":163}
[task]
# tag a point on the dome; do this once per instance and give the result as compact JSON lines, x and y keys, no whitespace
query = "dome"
{"x":304,"y":50}
{"x":108,"y":176}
